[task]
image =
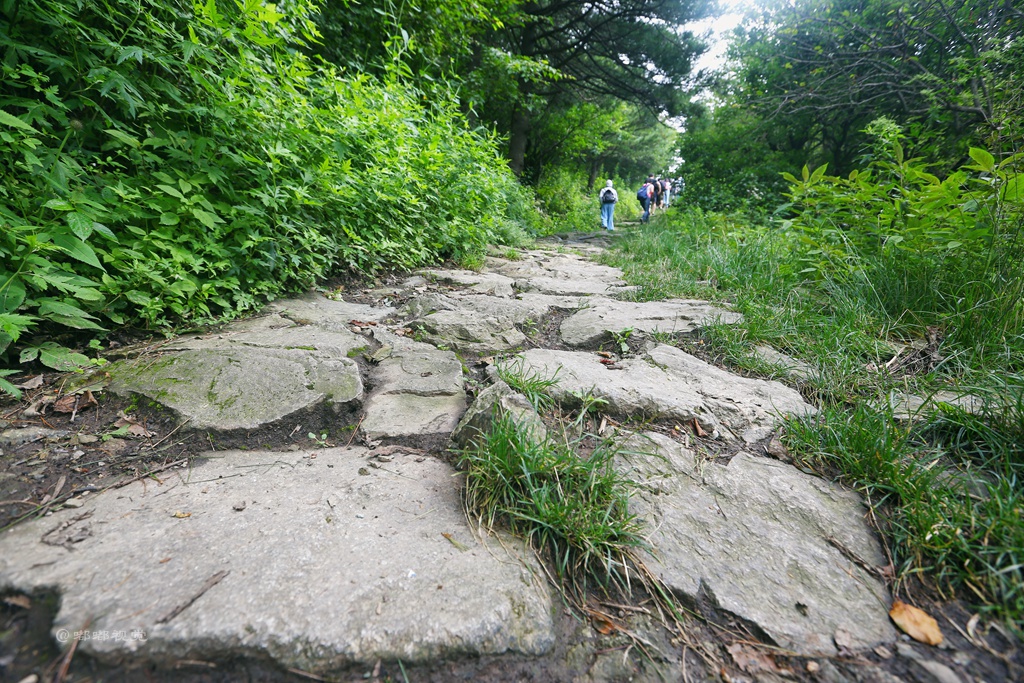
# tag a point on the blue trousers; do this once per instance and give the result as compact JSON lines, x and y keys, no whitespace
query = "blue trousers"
{"x":607,"y":214}
{"x":647,"y":210}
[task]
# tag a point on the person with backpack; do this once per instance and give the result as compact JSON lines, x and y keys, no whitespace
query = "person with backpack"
{"x":608,"y":197}
{"x":644,"y":195}
{"x":657,"y":193}
{"x":666,"y":190}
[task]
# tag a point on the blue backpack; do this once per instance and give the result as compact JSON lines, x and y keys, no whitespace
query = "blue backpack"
{"x":641,"y":194}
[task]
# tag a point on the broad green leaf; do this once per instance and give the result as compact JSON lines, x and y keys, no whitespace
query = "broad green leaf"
{"x":15,"y":122}
{"x":13,"y":324}
{"x":105,"y":231}
{"x":55,"y":356}
{"x":123,"y":137}
{"x":80,"y":224}
{"x":208,"y":219}
{"x":168,"y":218}
{"x":1013,"y":190}
{"x":58,"y":205}
{"x":77,"y":249}
{"x":137,"y":297}
{"x":985,"y":160}
{"x":173,"y":191}
{"x":12,"y":294}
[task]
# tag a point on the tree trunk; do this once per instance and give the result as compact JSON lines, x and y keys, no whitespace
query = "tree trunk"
{"x":595,"y":167}
{"x":518,"y":134}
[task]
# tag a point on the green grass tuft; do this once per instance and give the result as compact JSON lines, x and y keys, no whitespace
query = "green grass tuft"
{"x":572,"y":507}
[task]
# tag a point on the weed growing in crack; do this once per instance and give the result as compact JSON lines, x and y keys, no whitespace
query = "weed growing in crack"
{"x":530,"y":383}
{"x":572,"y":507}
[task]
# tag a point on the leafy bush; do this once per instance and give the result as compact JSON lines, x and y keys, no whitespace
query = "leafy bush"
{"x":173,"y":161}
{"x":944,"y":252}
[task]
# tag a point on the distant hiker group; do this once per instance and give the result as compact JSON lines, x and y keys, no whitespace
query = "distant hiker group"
{"x":655,"y":193}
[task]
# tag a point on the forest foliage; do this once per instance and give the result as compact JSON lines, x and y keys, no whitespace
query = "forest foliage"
{"x":166,"y":162}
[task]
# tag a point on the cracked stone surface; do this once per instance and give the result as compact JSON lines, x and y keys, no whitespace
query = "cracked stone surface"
{"x":362,"y":554}
{"x":244,"y":387}
{"x":419,"y":392}
{"x":671,"y":384}
{"x":596,"y":324}
{"x":329,"y":561}
{"x":781,"y":549}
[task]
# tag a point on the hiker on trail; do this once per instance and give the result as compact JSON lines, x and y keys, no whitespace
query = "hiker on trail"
{"x":657,"y":193}
{"x":666,"y":188}
{"x":608,"y":197}
{"x":645,"y":195}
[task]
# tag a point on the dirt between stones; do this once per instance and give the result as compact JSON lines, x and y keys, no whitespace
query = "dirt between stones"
{"x":120,"y":440}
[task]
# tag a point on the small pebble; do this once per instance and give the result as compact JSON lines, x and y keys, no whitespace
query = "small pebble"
{"x":359,"y":515}
{"x":73,"y":503}
{"x":813,"y":667}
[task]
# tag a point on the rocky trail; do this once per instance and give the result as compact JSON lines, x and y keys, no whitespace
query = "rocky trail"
{"x":279,"y":500}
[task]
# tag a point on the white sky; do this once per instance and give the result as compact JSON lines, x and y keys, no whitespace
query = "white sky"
{"x":732,"y":15}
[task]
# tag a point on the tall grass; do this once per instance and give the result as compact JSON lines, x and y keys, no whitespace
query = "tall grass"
{"x":948,"y":488}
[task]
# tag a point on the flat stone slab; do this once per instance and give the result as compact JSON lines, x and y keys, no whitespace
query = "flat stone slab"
{"x":912,"y":406}
{"x":321,"y":562}
{"x":764,"y":541}
{"x":329,"y":314}
{"x":240,"y":387}
{"x":595,"y":325}
{"x":480,"y":283}
{"x":481,"y":324}
{"x":672,"y":385}
{"x":419,"y":391}
{"x":551,"y":265}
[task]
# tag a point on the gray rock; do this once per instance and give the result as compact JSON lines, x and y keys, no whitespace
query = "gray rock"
{"x":244,"y":387}
{"x":928,"y":671}
{"x":791,"y":367}
{"x":19,"y":436}
{"x":571,"y":287}
{"x":478,"y":323}
{"x":419,"y":391}
{"x":480,"y":283}
{"x":763,"y":541}
{"x":910,"y":406}
{"x":468,"y":332}
{"x":325,"y":566}
{"x":674,"y":386}
{"x":747,"y":407}
{"x":593,"y":326}
{"x":329,"y":314}
{"x":497,"y":399}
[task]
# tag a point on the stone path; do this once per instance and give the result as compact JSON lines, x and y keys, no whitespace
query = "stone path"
{"x":322,"y":559}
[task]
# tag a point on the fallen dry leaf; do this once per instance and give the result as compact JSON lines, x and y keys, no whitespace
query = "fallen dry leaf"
{"x":751,"y":660}
{"x":33,"y":383}
{"x":697,"y":429}
{"x":181,"y":515}
{"x":139,"y":430}
{"x":915,"y":623}
{"x":88,"y":400}
{"x":603,"y":626}
{"x":604,"y":354}
{"x":607,"y":361}
{"x":22,"y":601}
{"x":65,"y":404}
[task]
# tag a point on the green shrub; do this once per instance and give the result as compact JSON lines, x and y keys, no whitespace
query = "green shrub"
{"x":173,"y":161}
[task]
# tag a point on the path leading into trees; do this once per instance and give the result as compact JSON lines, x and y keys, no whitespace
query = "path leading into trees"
{"x":340,"y":555}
